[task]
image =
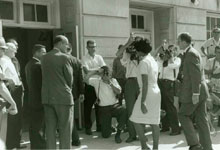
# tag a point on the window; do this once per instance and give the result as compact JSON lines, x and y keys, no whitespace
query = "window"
{"x":6,"y":10}
{"x":137,"y":21}
{"x":35,"y":12}
{"x":211,"y":22}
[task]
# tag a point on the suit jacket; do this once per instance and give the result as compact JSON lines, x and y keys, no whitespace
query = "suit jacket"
{"x":34,"y":83}
{"x":57,"y":78}
{"x":78,"y":84}
{"x":193,"y":77}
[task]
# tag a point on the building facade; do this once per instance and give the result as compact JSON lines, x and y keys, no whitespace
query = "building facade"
{"x":109,"y":22}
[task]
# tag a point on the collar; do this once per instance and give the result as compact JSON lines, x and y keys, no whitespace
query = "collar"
{"x":36,"y":58}
{"x":215,"y":42}
{"x":187,"y":49}
{"x":55,"y":48}
{"x":90,"y":56}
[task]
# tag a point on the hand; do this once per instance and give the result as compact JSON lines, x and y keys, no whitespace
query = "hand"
{"x":12,"y":109}
{"x":81,"y":98}
{"x":195,"y":99}
{"x":143,"y":108}
{"x":10,"y":84}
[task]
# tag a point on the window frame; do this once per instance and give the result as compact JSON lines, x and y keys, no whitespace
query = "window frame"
{"x":211,"y":15}
{"x":14,"y":12}
{"x":44,"y":3}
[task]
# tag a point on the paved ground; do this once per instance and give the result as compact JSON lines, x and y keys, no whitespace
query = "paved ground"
{"x":166,"y":142}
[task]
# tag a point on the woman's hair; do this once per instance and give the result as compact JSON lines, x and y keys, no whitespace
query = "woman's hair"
{"x":143,"y":45}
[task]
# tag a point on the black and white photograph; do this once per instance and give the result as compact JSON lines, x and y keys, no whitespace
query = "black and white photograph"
{"x":110,"y":74}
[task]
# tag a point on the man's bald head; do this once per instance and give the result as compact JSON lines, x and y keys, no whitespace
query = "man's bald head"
{"x":61,"y":42}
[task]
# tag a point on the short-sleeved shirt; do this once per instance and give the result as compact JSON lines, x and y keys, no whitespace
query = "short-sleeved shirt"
{"x":93,"y":62}
{"x":104,"y":91}
{"x":210,"y":45}
{"x":131,"y":65}
{"x":168,"y":71}
{"x":9,"y":70}
{"x":216,"y":70}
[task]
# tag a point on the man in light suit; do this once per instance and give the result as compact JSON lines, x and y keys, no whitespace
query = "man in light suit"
{"x":194,"y":94}
{"x":57,"y":81}
{"x":34,"y":83}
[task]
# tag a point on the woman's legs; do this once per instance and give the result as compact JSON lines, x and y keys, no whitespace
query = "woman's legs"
{"x":140,"y":131}
{"x":155,"y":134}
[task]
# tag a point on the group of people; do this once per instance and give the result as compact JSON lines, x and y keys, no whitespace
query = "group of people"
{"x":145,"y":79}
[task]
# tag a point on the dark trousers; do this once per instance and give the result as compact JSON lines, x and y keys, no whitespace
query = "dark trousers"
{"x":106,"y":113}
{"x":15,"y":121}
{"x":167,"y":104}
{"x":36,"y":130}
{"x":131,"y":94}
{"x":75,"y":135}
{"x":61,"y":117}
{"x":90,"y":99}
{"x":121,"y":82}
{"x":187,"y":110}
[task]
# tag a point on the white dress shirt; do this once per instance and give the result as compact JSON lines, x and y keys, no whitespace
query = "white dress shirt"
{"x":104,"y":91}
{"x":131,"y":65}
{"x":93,"y":63}
{"x":9,"y":70}
{"x":168,"y":71}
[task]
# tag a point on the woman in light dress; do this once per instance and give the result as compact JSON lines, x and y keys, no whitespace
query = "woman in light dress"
{"x":147,"y":107}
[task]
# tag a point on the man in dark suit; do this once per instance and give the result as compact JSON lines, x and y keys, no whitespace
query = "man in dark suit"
{"x":194,"y":94}
{"x":57,"y":81}
{"x":34,"y":83}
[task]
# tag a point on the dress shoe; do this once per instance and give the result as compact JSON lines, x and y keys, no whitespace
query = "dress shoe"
{"x":164,"y":130}
{"x":76,"y":143}
{"x":131,"y":139}
{"x":175,"y":133}
{"x":117,"y":137}
{"x":196,"y":147}
{"x":88,"y":131}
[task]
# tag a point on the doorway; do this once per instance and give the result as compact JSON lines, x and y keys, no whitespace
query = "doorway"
{"x":26,"y":39}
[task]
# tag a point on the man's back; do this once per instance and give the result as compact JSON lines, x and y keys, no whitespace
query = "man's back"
{"x":193,"y":77}
{"x":57,"y":78}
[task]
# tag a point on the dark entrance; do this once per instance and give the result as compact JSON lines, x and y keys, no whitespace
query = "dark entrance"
{"x":26,"y":39}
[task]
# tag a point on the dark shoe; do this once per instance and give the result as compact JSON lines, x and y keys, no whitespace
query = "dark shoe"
{"x":118,"y":138}
{"x":131,"y":139}
{"x":76,"y":143}
{"x":175,"y":133}
{"x":88,"y":131}
{"x":165,"y":130}
{"x":196,"y":147}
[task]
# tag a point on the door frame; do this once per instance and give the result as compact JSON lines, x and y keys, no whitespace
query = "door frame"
{"x":1,"y":34}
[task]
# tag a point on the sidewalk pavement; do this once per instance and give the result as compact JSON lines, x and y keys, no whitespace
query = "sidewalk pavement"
{"x":95,"y":142}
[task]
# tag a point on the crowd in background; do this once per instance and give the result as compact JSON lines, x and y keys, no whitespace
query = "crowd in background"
{"x":138,"y":89}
